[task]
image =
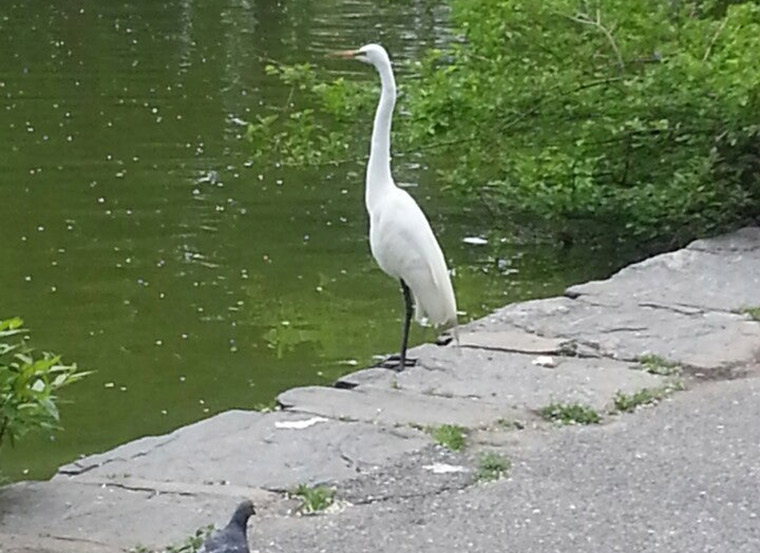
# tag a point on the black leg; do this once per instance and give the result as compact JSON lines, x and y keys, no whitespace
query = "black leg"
{"x":407,"y":320}
{"x":400,"y":361}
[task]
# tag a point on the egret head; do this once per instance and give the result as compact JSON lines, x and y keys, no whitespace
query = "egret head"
{"x":373,"y":54}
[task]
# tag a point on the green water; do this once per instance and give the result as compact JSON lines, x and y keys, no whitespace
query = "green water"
{"x":137,"y":239}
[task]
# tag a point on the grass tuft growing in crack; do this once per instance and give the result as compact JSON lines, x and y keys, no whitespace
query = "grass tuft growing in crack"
{"x":570,"y":413}
{"x":314,"y":499}
{"x":450,"y":436}
{"x":492,"y":466}
{"x":654,"y":364}
{"x":629,"y":402}
{"x":752,"y":312}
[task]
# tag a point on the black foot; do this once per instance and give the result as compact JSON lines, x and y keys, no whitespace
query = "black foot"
{"x":393,"y":362}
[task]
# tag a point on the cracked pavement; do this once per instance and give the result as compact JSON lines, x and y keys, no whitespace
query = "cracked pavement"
{"x":682,"y":475}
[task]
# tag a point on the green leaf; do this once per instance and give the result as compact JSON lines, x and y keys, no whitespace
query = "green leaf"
{"x":28,"y":385}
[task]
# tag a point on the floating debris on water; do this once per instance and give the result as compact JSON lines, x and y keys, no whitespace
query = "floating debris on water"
{"x":238,"y":121}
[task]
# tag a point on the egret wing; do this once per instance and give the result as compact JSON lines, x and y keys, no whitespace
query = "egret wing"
{"x":404,"y":246}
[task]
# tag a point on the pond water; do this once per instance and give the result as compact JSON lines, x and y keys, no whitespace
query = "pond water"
{"x":139,"y":240}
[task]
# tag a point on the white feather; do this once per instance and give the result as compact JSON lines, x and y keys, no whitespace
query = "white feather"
{"x":404,"y":246}
{"x":400,"y":236}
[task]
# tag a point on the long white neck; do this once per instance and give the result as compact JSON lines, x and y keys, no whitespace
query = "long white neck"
{"x":379,"y":178}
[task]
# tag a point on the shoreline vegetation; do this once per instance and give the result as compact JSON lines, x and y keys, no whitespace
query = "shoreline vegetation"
{"x":29,"y":385}
{"x":633,"y":122}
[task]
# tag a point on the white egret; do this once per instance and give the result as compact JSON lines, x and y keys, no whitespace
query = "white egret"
{"x":400,"y":236}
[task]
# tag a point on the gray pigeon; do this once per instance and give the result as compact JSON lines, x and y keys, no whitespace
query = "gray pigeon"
{"x":233,"y":538}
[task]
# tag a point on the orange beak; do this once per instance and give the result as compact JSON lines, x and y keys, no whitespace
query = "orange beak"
{"x":343,"y":54}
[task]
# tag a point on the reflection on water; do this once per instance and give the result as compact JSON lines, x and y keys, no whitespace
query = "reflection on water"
{"x":139,"y":240}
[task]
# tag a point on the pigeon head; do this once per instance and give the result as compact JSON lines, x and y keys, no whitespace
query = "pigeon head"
{"x":242,"y":514}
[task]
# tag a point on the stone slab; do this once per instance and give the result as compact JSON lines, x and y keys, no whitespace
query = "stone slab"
{"x":262,"y":498}
{"x":722,"y":274}
{"x":157,"y":490}
{"x":69,"y":512}
{"x":14,"y":543}
{"x":513,"y":340}
{"x":745,"y":239}
{"x":394,"y":407}
{"x":703,"y":340}
{"x":509,"y":380}
{"x":247,"y":449}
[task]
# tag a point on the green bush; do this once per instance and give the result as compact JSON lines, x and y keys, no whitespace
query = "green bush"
{"x":29,"y":383}
{"x":640,"y":114}
{"x":636,"y":118}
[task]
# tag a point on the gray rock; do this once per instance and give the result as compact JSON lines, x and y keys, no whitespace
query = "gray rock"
{"x":470,"y":387}
{"x":159,"y":490}
{"x":379,"y":377}
{"x":393,"y":407}
{"x":512,"y":340}
{"x":247,"y":449}
{"x":724,"y":279}
{"x":518,"y":381}
{"x":745,"y":239}
{"x":705,"y":341}
{"x":69,"y":512}
{"x":15,"y":543}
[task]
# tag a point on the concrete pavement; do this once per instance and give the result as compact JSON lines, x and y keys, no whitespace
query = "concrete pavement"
{"x":681,"y":477}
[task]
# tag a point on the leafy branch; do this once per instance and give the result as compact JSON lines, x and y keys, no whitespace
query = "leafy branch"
{"x":596,"y":22}
{"x":29,"y":383}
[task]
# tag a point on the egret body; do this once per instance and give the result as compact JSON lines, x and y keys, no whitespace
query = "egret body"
{"x":400,"y":237}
